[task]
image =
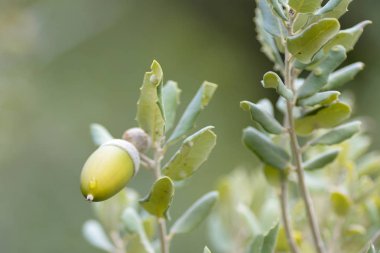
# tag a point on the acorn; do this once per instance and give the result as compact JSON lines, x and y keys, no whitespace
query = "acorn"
{"x":109,"y":169}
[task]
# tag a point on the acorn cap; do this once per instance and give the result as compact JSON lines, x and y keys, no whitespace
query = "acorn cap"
{"x":129,"y":148}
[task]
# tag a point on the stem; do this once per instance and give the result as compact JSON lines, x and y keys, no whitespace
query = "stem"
{"x":285,"y":216}
{"x":158,"y":153}
{"x":297,"y":155}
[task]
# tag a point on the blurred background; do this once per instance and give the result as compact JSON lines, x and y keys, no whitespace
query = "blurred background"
{"x":66,"y":64}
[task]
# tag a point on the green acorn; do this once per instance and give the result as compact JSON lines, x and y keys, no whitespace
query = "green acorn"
{"x":109,"y":169}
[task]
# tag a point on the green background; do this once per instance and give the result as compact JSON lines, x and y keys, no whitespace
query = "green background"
{"x":66,"y":64}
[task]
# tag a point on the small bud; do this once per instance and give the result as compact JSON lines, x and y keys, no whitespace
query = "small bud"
{"x":109,"y":169}
{"x":139,"y":138}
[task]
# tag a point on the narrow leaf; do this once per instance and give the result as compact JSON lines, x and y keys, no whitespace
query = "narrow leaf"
{"x":192,"y":154}
{"x":321,"y":160}
{"x":199,"y":102}
{"x":321,"y":98}
{"x":95,"y":235}
{"x":271,"y":23}
{"x":343,"y":75}
{"x":170,"y":100}
{"x":324,"y":117}
{"x":160,"y":197}
{"x":265,"y":149}
{"x":149,"y":111}
{"x":305,"y":6}
{"x":329,"y":6}
{"x":308,"y":42}
{"x":257,"y":245}
{"x":99,"y":134}
{"x":270,"y":239}
{"x":195,"y":215}
{"x":206,"y":250}
{"x":338,"y":134}
{"x":319,"y":76}
{"x":259,"y":115}
{"x":272,"y":80}
{"x":371,"y":249}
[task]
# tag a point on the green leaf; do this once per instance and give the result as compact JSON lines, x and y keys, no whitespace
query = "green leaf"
{"x":249,"y":218}
{"x":99,"y":134}
{"x":270,"y":239}
{"x":338,"y":134}
{"x":271,"y":23}
{"x":95,"y":235}
{"x":371,"y":249}
{"x":170,"y":100}
{"x":329,"y":6}
{"x":265,"y":149}
{"x":149,"y":111}
{"x":257,"y":245}
{"x":206,"y":250}
{"x":272,"y":80}
{"x":338,"y":10}
{"x":343,"y":75}
{"x":195,"y":215}
{"x":266,"y":105}
{"x":341,"y":203}
{"x":305,"y":6}
{"x":321,"y":160}
{"x":320,"y":74}
{"x":321,"y":98}
{"x":348,"y":37}
{"x":134,"y":225}
{"x":192,"y":154}
{"x":324,"y":117}
{"x":262,"y":117}
{"x":199,"y":102}
{"x":278,"y":8}
{"x":308,"y":42}
{"x":160,"y":197}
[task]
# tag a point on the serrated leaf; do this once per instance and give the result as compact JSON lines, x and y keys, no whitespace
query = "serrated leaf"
{"x":338,"y":134}
{"x":134,"y":225}
{"x":170,"y":101}
{"x":160,"y":197}
{"x":206,"y":250}
{"x":197,"y":104}
{"x":307,"y":43}
{"x":348,"y":37}
{"x":265,"y":120}
{"x":195,"y":215}
{"x":99,"y":134}
{"x":263,"y":147}
{"x":324,"y":117}
{"x":341,"y":203}
{"x":272,"y":80}
{"x":192,"y":154}
{"x":150,"y":115}
{"x":321,"y":98}
{"x":321,"y":160}
{"x":95,"y":235}
{"x":329,"y":6}
{"x":343,"y":75}
{"x":320,"y":74}
{"x":305,"y":6}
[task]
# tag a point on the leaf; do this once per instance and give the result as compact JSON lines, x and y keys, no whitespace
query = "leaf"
{"x":206,"y":250}
{"x":371,"y":249}
{"x":266,"y":105}
{"x":199,"y":102}
{"x":278,"y":8}
{"x":338,"y":10}
{"x":338,"y":134}
{"x":149,"y":111}
{"x":249,"y":218}
{"x":95,"y":235}
{"x":271,"y":23}
{"x":272,"y":80}
{"x":270,"y":239}
{"x":329,"y":6}
{"x":265,"y":149}
{"x":257,"y":245}
{"x":192,"y":154}
{"x":321,"y":98}
{"x":343,"y":75}
{"x":324,"y":117}
{"x":259,"y":115}
{"x":321,"y":160}
{"x":319,"y":76}
{"x":99,"y":134}
{"x":348,"y":37}
{"x":341,"y":203}
{"x":195,"y":215}
{"x":170,"y":101}
{"x":305,"y":6}
{"x":160,"y":197}
{"x":273,"y":175}
{"x":134,"y":225}
{"x":308,"y":42}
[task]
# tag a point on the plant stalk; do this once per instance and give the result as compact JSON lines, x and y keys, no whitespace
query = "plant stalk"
{"x":297,"y":155}
{"x":285,"y":216}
